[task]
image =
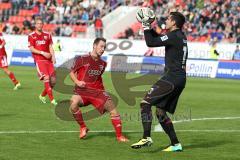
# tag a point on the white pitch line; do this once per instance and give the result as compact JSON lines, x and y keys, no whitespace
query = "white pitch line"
{"x":203,"y":119}
{"x":157,"y":128}
{"x":208,"y":130}
{"x":110,"y":131}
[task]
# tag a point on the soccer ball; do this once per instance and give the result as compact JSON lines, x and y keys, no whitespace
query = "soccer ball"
{"x":145,"y":15}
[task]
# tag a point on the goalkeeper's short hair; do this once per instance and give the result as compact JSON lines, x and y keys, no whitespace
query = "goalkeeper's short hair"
{"x":178,"y":18}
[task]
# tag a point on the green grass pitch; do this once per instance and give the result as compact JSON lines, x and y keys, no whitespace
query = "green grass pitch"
{"x":204,"y":139}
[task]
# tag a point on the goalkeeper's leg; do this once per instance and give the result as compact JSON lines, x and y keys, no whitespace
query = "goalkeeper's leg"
{"x":146,"y":115}
{"x":167,"y":126}
{"x":157,"y":93}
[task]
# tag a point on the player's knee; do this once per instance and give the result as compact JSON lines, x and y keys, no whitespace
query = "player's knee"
{"x":145,"y":106}
{"x":110,"y":106}
{"x":52,"y":81}
{"x":6,"y":71}
{"x":114,"y":112}
{"x":52,"y":84}
{"x":73,"y":104}
{"x":161,"y":115}
{"x":146,"y":111}
{"x":46,"y":78}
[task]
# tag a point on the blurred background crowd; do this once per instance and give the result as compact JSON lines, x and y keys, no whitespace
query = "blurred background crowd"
{"x":206,"y":19}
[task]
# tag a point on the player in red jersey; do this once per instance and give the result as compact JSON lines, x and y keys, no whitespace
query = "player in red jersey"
{"x":4,"y":63}
{"x":86,"y":74}
{"x":40,"y":44}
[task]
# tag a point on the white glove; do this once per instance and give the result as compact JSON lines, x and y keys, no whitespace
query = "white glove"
{"x":145,"y":15}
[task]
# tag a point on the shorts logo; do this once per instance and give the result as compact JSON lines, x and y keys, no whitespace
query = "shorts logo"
{"x":150,"y":91}
{"x":164,"y":38}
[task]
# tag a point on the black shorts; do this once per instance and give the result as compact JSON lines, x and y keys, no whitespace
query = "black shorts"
{"x":164,"y":94}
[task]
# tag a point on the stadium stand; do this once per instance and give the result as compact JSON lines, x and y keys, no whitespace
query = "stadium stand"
{"x":62,"y":17}
{"x":206,"y":19}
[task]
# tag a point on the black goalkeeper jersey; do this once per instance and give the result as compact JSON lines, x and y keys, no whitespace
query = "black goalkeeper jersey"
{"x":176,"y":50}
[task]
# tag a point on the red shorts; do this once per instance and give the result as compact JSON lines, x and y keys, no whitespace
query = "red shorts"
{"x":96,"y":97}
{"x":3,"y":62}
{"x":45,"y":68}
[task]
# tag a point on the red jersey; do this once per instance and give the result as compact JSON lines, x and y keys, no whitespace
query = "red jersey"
{"x":40,"y":42}
{"x":2,"y":49}
{"x":90,"y":71}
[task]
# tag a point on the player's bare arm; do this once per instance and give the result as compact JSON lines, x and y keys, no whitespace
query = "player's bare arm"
{"x":76,"y":81}
{"x":36,"y":51}
{"x":52,"y":53}
{"x":3,"y":43}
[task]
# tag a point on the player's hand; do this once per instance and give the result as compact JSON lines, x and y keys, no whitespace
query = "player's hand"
{"x":53,"y":60}
{"x":45,"y":54}
{"x":81,"y":84}
{"x":145,"y":15}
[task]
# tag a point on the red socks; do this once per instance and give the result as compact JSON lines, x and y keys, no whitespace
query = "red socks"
{"x":48,"y":89}
{"x":13,"y":78}
{"x":117,"y":124}
{"x":78,"y":117}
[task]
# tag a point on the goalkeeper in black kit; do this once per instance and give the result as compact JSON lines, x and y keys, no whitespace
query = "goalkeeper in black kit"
{"x":165,"y":92}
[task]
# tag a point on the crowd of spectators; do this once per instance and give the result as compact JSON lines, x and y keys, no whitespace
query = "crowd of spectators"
{"x":206,"y":19}
{"x":63,"y":13}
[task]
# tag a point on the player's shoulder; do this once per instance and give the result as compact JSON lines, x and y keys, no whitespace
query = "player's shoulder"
{"x":103,"y":61}
{"x":171,"y":34}
{"x":32,"y":34}
{"x":46,"y":33}
{"x":85,"y":56}
{"x":1,"y":36}
{"x":177,"y":34}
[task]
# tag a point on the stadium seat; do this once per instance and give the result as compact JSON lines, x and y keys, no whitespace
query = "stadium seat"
{"x":5,"y":6}
{"x":49,"y":27}
{"x":136,"y":26}
{"x":16,"y":19}
{"x":59,"y":1}
{"x":41,"y":1}
{"x":25,"y":12}
{"x":79,"y":28}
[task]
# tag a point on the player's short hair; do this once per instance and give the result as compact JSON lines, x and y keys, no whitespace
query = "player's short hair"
{"x":97,"y":40}
{"x":38,"y":19}
{"x":178,"y":18}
